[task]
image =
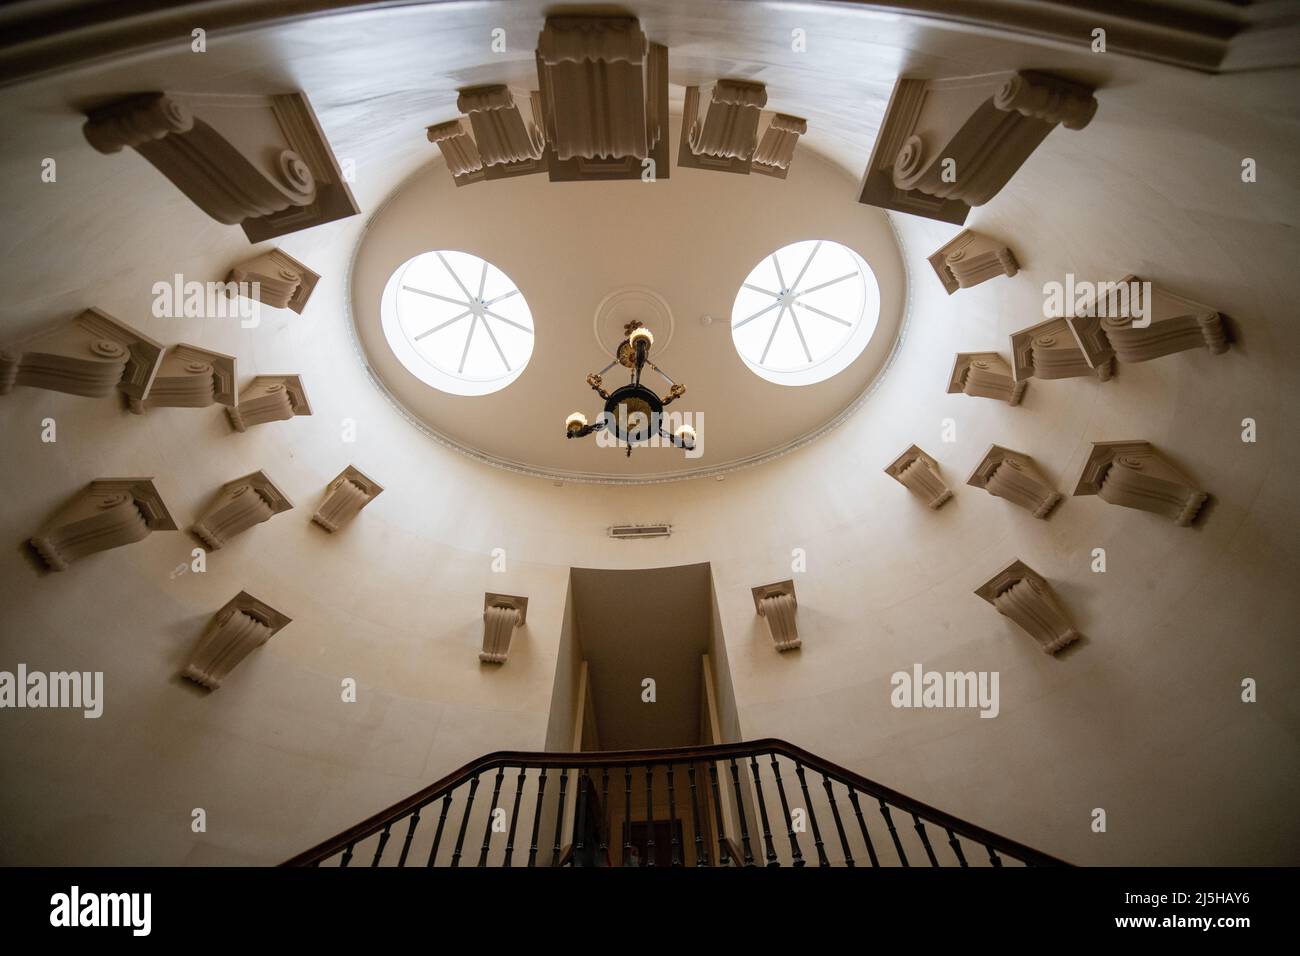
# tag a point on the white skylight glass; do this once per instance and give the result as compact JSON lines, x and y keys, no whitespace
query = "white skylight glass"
{"x":805,"y":312}
{"x":457,"y":322}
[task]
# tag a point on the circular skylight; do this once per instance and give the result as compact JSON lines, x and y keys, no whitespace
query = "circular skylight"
{"x":457,"y":322}
{"x":805,"y":312}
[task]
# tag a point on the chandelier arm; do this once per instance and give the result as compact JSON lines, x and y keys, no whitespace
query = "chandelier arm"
{"x":661,"y":372}
{"x":674,"y":440}
{"x":676,"y":392}
{"x":586,"y":430}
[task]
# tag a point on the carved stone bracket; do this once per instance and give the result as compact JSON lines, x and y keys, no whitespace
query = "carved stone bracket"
{"x":603,"y":90}
{"x":91,"y":355}
{"x":345,"y":496}
{"x":970,"y":258}
{"x":1022,"y":594}
{"x":919,"y":473}
{"x":190,"y":377}
{"x":985,"y":375}
{"x":726,"y":137}
{"x":258,"y":161}
{"x":1169,"y":323}
{"x":238,"y":506}
{"x":241,"y":626}
{"x":949,"y":144}
{"x":269,"y":398}
{"x":108,"y":513}
{"x":1050,"y":350}
{"x":1133,"y":474}
{"x":507,"y":130}
{"x":458,"y":150}
{"x":775,"y":150}
{"x":502,"y":613}
{"x":282,"y":282}
{"x":776,"y":604}
{"x":1015,"y":476}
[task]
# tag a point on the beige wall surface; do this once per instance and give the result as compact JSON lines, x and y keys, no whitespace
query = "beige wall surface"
{"x":1144,"y":719}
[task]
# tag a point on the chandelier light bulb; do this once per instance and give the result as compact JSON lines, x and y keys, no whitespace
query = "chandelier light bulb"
{"x":575,"y":422}
{"x":641,"y":333}
{"x":686,"y":435}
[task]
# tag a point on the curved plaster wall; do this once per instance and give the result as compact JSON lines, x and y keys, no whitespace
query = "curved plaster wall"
{"x":1144,"y":719}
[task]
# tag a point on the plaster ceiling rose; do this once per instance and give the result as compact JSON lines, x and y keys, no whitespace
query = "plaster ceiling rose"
{"x":632,"y":303}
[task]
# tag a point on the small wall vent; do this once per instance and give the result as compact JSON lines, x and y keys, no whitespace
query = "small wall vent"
{"x":640,"y":530}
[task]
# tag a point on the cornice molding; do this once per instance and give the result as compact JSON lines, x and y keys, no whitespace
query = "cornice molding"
{"x":48,"y":36}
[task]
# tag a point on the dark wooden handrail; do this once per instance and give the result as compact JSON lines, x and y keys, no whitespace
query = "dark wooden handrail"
{"x":384,"y":820}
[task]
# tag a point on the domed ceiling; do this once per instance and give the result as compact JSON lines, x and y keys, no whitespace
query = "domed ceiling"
{"x":1145,"y":718}
{"x":674,"y":254}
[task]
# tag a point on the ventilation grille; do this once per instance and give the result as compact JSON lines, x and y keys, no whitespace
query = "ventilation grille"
{"x":640,"y":531}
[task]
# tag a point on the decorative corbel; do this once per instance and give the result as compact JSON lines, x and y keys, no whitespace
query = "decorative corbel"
{"x":458,"y":150}
{"x":277,"y":279}
{"x":985,"y":375}
{"x":190,"y":377}
{"x":238,"y":506}
{"x":775,"y":150}
{"x":776,"y":604}
{"x":506,"y":132}
{"x":970,"y":258}
{"x":1022,"y":594}
{"x":92,"y":355}
{"x":603,"y":90}
{"x":345,"y":496}
{"x":727,"y":136}
{"x":1050,"y":350}
{"x":1015,"y":476}
{"x":108,"y":513}
{"x":949,"y":144}
{"x":919,"y":473}
{"x":502,"y":613}
{"x":242,"y":626}
{"x":261,"y":162}
{"x":1129,"y":325}
{"x":269,"y":398}
{"x":1133,"y":474}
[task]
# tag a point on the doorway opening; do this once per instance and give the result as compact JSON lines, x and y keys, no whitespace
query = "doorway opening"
{"x":643,"y":666}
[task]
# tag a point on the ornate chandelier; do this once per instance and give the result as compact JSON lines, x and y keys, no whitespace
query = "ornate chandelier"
{"x":633,"y":413}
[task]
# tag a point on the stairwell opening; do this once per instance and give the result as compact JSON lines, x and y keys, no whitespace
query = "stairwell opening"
{"x":642,"y":665}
